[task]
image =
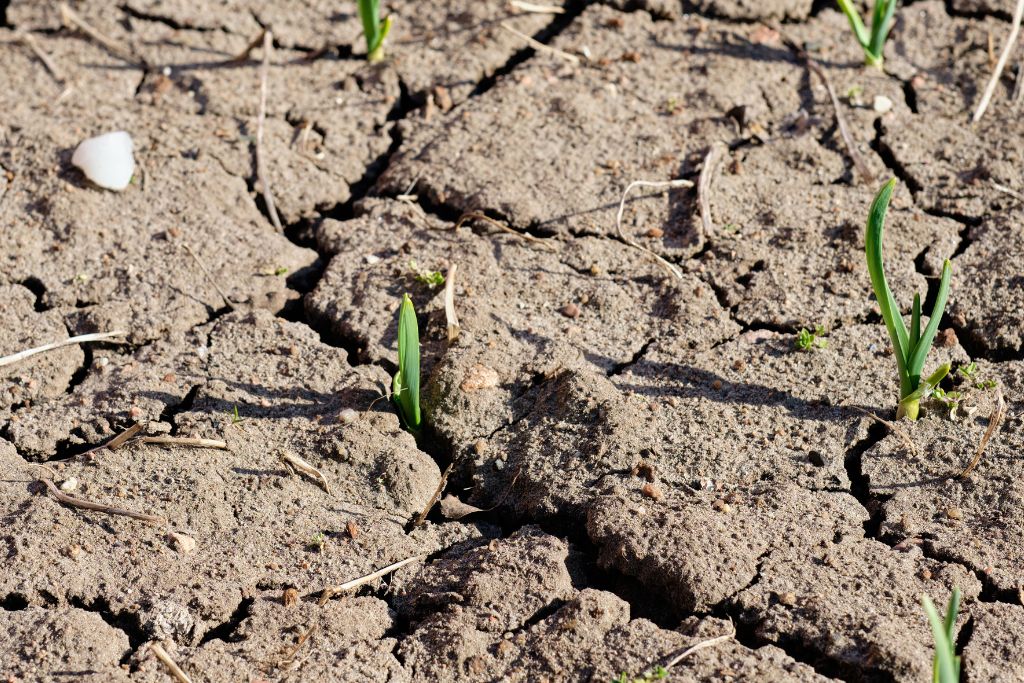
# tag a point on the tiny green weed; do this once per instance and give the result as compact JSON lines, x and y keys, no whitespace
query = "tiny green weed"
{"x":657,"y":674}
{"x":318,"y":542}
{"x":374,"y":29}
{"x":910,"y":348}
{"x":873,"y":41}
{"x":945,"y":664}
{"x":431,"y":278}
{"x":811,"y":339}
{"x":235,"y":419}
{"x":405,"y":386}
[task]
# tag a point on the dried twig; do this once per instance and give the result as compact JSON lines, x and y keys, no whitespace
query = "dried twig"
{"x":98,"y":507}
{"x":420,"y":518}
{"x":80,"y":339}
{"x":1010,"y":191}
{"x":288,"y":655}
{"x":28,"y":41}
{"x":536,"y":9}
{"x":476,"y":216}
{"x":175,"y":670}
{"x":331,"y":591}
{"x":893,"y":427}
{"x":261,"y":171}
{"x":301,"y":465}
{"x":990,"y":89}
{"x":70,"y":18}
{"x":451,"y":319}
{"x":244,"y":55}
{"x":704,"y":644}
{"x":209,"y":276}
{"x":184,"y":441}
{"x":707,"y":173}
{"x":659,"y":184}
{"x":541,"y":47}
{"x":994,"y":420}
{"x":851,"y":146}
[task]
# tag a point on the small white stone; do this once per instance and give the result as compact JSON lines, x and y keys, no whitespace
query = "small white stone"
{"x":69,"y":484}
{"x":106,"y":160}
{"x":881,"y":104}
{"x":347,"y":416}
{"x":372,"y":259}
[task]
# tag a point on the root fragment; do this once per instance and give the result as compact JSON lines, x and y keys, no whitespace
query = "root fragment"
{"x":97,"y":507}
{"x":300,"y":465}
{"x":657,"y":184}
{"x":331,"y":591}
{"x":994,"y":420}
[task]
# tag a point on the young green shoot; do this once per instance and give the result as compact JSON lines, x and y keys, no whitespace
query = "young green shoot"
{"x":871,"y":41}
{"x":659,"y":673}
{"x":910,"y":347}
{"x":374,"y":29}
{"x":811,"y":339}
{"x":405,"y":386}
{"x":945,"y":664}
{"x":430,"y":278}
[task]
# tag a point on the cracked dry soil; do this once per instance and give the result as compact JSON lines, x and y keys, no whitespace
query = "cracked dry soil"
{"x":656,"y":463}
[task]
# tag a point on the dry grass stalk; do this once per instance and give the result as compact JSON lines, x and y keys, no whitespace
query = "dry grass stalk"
{"x":707,"y":173}
{"x":28,"y":41}
{"x":184,"y":441}
{"x":704,"y":644}
{"x":990,"y":89}
{"x":244,"y":55}
{"x":300,"y":465}
{"x":657,"y":184}
{"x":535,"y":9}
{"x":175,"y":670}
{"x":331,"y":591}
{"x":288,"y":654}
{"x":209,"y":276}
{"x":451,"y":319}
{"x":894,"y":428}
{"x":98,"y":507}
{"x":261,"y":171}
{"x":71,"y":19}
{"x":80,"y":339}
{"x":476,"y":216}
{"x":420,"y":518}
{"x":1008,"y":191}
{"x":994,"y":420}
{"x":541,"y":47}
{"x":851,"y":146}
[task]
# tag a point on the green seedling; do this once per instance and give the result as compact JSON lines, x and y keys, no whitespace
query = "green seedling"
{"x":910,"y":347}
{"x":949,"y":399}
{"x":807,"y":340}
{"x":318,"y":542}
{"x":235,"y":419}
{"x":873,"y":41}
{"x":374,"y":29}
{"x":970,"y":372}
{"x":945,"y":664}
{"x":659,"y":673}
{"x":405,"y":386}
{"x":431,"y":278}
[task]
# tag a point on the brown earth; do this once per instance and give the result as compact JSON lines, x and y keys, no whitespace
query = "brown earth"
{"x":656,"y":463}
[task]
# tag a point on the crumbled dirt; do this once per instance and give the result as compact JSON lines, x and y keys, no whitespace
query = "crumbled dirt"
{"x":654,"y":460}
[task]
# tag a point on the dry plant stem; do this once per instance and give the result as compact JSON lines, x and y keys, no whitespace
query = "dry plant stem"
{"x":48,"y":63}
{"x":994,"y":420}
{"x":98,"y":507}
{"x":261,"y":171}
{"x":843,"y":130}
{"x":420,"y":518}
{"x":183,"y":441}
{"x":289,"y":654}
{"x":331,"y":591}
{"x":209,"y":276}
{"x":1006,"y":190}
{"x":451,"y":319}
{"x":307,"y":469}
{"x":122,"y":438}
{"x":70,"y":18}
{"x":536,"y":9}
{"x":990,"y":89}
{"x":475,"y":216}
{"x":894,"y":428}
{"x":80,"y":339}
{"x":657,"y":184}
{"x":244,"y":55}
{"x":704,"y":644}
{"x":541,"y":47}
{"x":707,"y":173}
{"x":1018,"y":86}
{"x":175,"y":670}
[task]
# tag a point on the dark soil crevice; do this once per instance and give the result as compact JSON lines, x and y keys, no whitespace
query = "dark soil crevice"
{"x":36,"y":286}
{"x":860,"y":485}
{"x":14,"y":602}
{"x":619,"y":368}
{"x":126,"y":622}
{"x":160,"y":19}
{"x":952,"y":11}
{"x":888,"y":157}
{"x":226,"y":630}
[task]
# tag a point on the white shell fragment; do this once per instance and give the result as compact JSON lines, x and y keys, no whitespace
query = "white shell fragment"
{"x":106,"y":160}
{"x":881,"y":104}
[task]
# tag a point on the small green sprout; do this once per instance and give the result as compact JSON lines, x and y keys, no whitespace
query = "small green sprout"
{"x":970,"y":371}
{"x":431,"y":278}
{"x":807,"y":340}
{"x":949,"y":399}
{"x":235,"y":419}
{"x":318,"y":542}
{"x":657,"y":674}
{"x":873,"y":43}
{"x":945,"y":664}
{"x":910,"y":348}
{"x":280,"y":270}
{"x":374,"y":29}
{"x":405,"y":386}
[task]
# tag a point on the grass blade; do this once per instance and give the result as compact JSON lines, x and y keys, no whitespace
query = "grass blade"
{"x":406,"y":383}
{"x":881,"y":22}
{"x":944,"y":667}
{"x":916,"y":361}
{"x":853,"y":16}
{"x":915,"y":323}
{"x":886,"y":303}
